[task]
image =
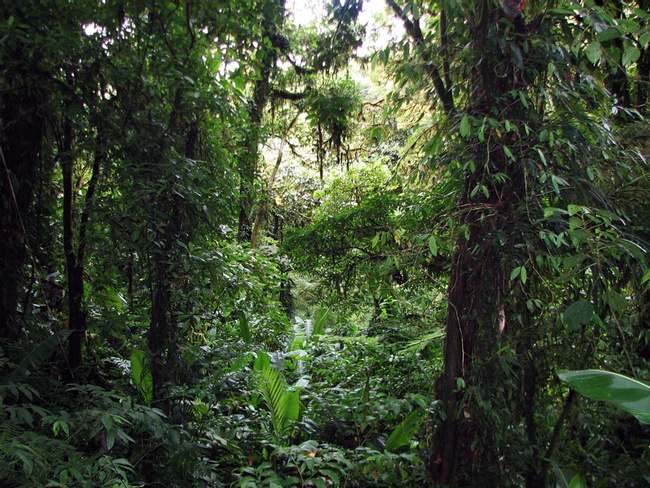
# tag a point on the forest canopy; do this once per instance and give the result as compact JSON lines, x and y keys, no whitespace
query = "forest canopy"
{"x":347,"y":243}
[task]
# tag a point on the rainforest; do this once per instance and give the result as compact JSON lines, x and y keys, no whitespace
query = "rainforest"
{"x":329,"y":243}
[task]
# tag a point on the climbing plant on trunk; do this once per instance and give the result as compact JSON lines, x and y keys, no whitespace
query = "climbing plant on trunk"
{"x":509,"y":84}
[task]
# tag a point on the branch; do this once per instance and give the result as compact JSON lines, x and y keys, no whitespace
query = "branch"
{"x":285,"y":95}
{"x":444,"y":42}
{"x":414,"y":31}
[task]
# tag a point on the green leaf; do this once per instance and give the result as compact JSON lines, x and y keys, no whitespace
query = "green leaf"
{"x":574,"y":209}
{"x":38,"y":356}
{"x":433,"y":245}
{"x":464,"y":126}
{"x":629,"y":394}
{"x":142,"y":376}
{"x":110,"y":439}
{"x":320,"y":320}
{"x":630,"y":55}
{"x":404,"y":432}
{"x":617,"y":302}
{"x":646,"y":277}
{"x":578,"y":482}
{"x":593,"y":52}
{"x":515,"y":273}
{"x":262,"y":361}
{"x":523,"y":275}
{"x":289,"y":406}
{"x":244,"y":329}
{"x":283,"y":403}
{"x":609,"y":34}
{"x":522,"y":97}
{"x":644,"y":39}
{"x":577,"y":315}
{"x":508,"y":153}
{"x":240,"y":83}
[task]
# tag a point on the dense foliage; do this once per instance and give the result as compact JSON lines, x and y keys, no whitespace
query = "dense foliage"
{"x":238,"y":249}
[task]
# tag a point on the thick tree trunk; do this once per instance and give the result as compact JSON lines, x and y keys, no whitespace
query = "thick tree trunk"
{"x":465,"y":453}
{"x":248,"y":163}
{"x":22,"y":125}
{"x":173,"y":227}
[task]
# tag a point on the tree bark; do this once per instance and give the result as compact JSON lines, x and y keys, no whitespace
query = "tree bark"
{"x":75,"y":258}
{"x":249,"y":160}
{"x":21,"y":140}
{"x":74,"y":269}
{"x":263,"y":209}
{"x":464,"y":450}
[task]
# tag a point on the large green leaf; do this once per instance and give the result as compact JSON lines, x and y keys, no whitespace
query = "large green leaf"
{"x":631,"y":395}
{"x":578,"y":482}
{"x":289,"y":406}
{"x":578,"y":314}
{"x":320,"y":320}
{"x":404,"y":432}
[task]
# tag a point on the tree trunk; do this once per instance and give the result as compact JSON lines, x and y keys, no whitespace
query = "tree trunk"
{"x":465,"y":451}
{"x":263,"y":209}
{"x":643,"y":72}
{"x":160,"y":328}
{"x":75,"y":258}
{"x":172,"y":228}
{"x":74,"y":269}
{"x":249,"y":159}
{"x":21,"y":141}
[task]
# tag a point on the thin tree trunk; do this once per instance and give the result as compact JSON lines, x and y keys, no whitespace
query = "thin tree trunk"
{"x":261,"y":212}
{"x":643,"y":71}
{"x":75,"y":259}
{"x":249,"y":160}
{"x":74,"y":271}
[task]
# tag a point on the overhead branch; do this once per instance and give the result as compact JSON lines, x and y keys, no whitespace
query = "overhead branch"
{"x":285,"y":95}
{"x":415,"y":32}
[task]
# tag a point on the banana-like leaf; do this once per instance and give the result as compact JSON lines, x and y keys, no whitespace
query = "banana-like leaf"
{"x":37,"y":356}
{"x":404,"y":432}
{"x":631,"y":395}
